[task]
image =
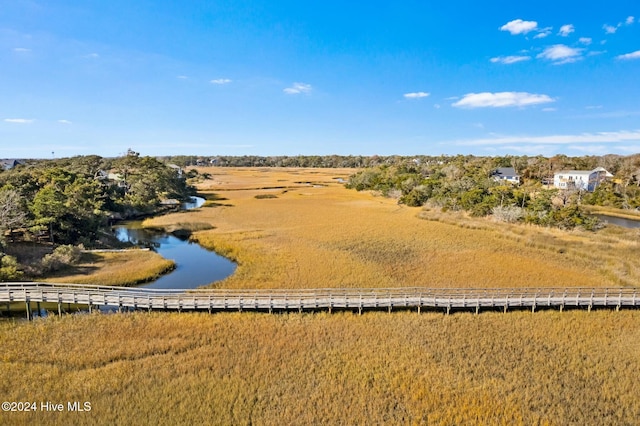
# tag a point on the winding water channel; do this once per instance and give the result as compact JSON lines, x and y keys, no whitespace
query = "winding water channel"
{"x":195,"y":265}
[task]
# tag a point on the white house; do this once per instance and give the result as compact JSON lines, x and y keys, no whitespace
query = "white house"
{"x":587,"y":180}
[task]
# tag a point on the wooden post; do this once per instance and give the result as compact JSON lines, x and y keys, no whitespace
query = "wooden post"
{"x":28,"y":310}
{"x":59,"y":309}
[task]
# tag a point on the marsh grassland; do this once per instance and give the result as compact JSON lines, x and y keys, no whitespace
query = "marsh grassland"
{"x":301,"y":228}
{"x":401,"y":368}
{"x":316,"y":233}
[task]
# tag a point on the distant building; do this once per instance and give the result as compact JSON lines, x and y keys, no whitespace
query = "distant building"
{"x":8,"y":164}
{"x":506,"y":174}
{"x":586,"y":180}
{"x":177,"y":169}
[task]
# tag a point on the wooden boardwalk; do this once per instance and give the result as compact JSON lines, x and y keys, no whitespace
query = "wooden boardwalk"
{"x":356,"y":299}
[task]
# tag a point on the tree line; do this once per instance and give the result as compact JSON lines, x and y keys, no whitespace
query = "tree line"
{"x":529,"y":167}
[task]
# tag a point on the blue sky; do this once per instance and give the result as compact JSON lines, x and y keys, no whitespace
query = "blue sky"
{"x":289,"y":77}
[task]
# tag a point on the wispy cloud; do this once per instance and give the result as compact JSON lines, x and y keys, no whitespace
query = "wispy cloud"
{"x":298,"y":88}
{"x":610,"y":29}
{"x":21,"y":50}
{"x":509,"y":59}
{"x":92,"y":56}
{"x":549,"y":109}
{"x":582,"y":138}
{"x":585,"y":40}
{"x":64,"y":122}
{"x":416,"y":95}
{"x":19,"y":120}
{"x":543,"y":32}
{"x":182,"y":77}
{"x":220,"y":81}
{"x":565,"y":30}
{"x":518,"y":26}
{"x":561,"y":54}
{"x":628,"y":56}
{"x":501,"y":100}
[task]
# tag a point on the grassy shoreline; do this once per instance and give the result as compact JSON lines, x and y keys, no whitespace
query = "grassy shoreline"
{"x":128,"y":268}
{"x":610,"y":211}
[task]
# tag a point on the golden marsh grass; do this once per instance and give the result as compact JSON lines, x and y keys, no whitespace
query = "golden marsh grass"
{"x":401,"y":368}
{"x":126,"y":268}
{"x":317,"y":233}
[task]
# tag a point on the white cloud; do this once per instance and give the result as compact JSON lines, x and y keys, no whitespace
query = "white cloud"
{"x":585,"y":40}
{"x":600,"y":137}
{"x":509,"y":59}
{"x":501,"y":99}
{"x":632,"y":55}
{"x":19,"y":120}
{"x":549,"y":109}
{"x":609,"y":29}
{"x":220,"y":81}
{"x":92,"y":56}
{"x":436,"y":106}
{"x":543,"y":32}
{"x":21,"y":50}
{"x":561,"y":54}
{"x":64,"y":121}
{"x":630,"y":20}
{"x":416,"y":95}
{"x":182,"y":77}
{"x":565,"y":30}
{"x":518,"y":26}
{"x":298,"y":88}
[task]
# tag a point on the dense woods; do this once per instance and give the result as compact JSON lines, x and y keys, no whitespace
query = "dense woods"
{"x":69,"y":201}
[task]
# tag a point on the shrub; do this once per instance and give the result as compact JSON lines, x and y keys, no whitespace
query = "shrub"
{"x":508,"y":214}
{"x":9,"y":268}
{"x":61,"y":257}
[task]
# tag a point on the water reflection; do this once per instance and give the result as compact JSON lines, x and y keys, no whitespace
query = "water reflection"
{"x":195,"y":266}
{"x":625,"y":223}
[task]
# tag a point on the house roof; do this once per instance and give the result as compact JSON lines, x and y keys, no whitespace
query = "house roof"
{"x":504,"y":171}
{"x":9,"y":163}
{"x":585,"y":172}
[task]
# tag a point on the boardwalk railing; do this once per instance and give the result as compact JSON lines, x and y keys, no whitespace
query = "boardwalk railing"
{"x":315,"y":299}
